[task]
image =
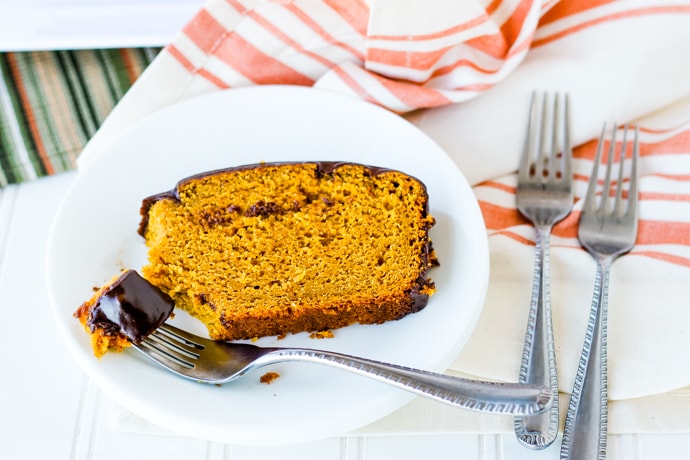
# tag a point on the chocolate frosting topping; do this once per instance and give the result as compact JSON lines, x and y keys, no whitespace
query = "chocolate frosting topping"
{"x":322,"y":168}
{"x":131,"y":306}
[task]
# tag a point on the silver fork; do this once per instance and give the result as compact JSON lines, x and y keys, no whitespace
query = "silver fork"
{"x":209,"y":361}
{"x":607,"y":230}
{"x":544,"y":196}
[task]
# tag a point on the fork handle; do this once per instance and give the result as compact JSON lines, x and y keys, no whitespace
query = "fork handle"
{"x":488,"y":397}
{"x":538,"y":365}
{"x":585,"y":433}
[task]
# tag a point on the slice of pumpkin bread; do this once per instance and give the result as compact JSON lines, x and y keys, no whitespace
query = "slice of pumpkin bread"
{"x":277,"y":248}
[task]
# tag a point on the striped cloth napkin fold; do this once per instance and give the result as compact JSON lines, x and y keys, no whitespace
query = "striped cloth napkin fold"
{"x":463,"y":71}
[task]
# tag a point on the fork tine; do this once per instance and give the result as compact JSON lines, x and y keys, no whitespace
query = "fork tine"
{"x":567,"y":149}
{"x":605,"y":194}
{"x":181,"y":336}
{"x":618,"y":202}
{"x":554,"y":149}
{"x":542,"y":138}
{"x":590,"y":197}
{"x":172,"y":344}
{"x":176,"y":346}
{"x":157,"y":349}
{"x":528,"y":147}
{"x":560,"y":153}
{"x":633,"y":189}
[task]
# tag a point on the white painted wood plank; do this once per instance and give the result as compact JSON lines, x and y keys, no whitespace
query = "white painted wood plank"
{"x":660,"y":446}
{"x":327,"y":449}
{"x":110,"y":443}
{"x":40,"y":384}
{"x":437,"y":447}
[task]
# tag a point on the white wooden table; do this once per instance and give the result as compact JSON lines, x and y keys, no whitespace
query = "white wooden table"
{"x":73,"y":24}
{"x":50,"y":409}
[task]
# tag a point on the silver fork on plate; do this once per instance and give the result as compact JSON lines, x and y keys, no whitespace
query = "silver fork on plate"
{"x":545,"y":197}
{"x":607,"y":230}
{"x":210,"y":361}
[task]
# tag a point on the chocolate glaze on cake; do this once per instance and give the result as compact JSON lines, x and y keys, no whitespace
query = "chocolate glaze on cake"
{"x":131,"y":306}
{"x":322,"y":168}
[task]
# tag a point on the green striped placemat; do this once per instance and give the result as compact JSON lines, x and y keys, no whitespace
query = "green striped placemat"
{"x":52,"y":102}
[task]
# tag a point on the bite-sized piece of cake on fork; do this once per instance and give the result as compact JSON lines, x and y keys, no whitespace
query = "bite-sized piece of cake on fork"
{"x":123,"y":312}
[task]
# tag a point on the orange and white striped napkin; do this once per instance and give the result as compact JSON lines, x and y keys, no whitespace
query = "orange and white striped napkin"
{"x":463,"y":71}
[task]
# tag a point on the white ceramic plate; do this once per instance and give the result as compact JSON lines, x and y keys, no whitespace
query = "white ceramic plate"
{"x":94,"y":236}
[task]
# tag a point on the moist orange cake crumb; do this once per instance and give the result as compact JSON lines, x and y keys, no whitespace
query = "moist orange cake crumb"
{"x":278,"y":248}
{"x":269,"y":377}
{"x":322,"y":335}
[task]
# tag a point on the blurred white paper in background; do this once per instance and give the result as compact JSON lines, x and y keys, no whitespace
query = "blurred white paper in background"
{"x":27,"y":25}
